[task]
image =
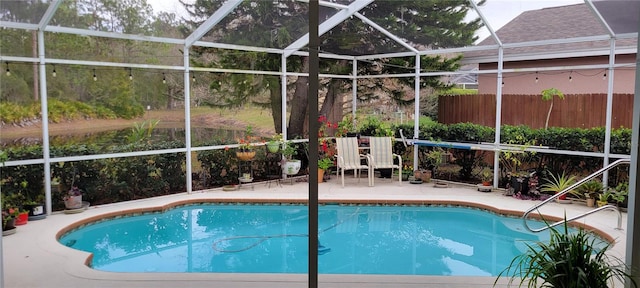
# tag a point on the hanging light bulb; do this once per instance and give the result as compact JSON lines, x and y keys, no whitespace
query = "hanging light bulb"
{"x":130,"y":75}
{"x":570,"y":77}
{"x":604,"y":76}
{"x":164,"y":79}
{"x":537,"y":77}
{"x":502,"y":83}
{"x":53,"y":73}
{"x":193,"y":78}
{"x":95,"y":78}
{"x":8,"y":71}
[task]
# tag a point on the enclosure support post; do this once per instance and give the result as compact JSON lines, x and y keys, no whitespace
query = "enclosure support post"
{"x":416,"y":113}
{"x":314,"y":63}
{"x":632,"y":257}
{"x":45,"y":123}
{"x":607,"y":135}
{"x":187,"y":117}
{"x":354,"y":91}
{"x":496,"y":155}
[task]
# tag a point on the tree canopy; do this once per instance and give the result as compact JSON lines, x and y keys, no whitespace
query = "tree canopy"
{"x":428,"y":23}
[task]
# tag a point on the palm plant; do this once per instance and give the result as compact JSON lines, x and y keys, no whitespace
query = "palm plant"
{"x":558,"y":183}
{"x":570,"y":260}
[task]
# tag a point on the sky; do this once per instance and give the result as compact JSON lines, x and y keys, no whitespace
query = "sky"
{"x":498,"y":12}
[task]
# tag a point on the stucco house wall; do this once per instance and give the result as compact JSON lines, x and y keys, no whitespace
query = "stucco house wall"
{"x":582,"y":81}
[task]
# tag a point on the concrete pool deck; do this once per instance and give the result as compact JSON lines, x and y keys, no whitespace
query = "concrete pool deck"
{"x":33,"y":257}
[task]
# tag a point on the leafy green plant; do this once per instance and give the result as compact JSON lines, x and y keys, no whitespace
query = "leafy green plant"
{"x":620,"y":192}
{"x":486,"y":174}
{"x":141,"y":131}
{"x":324,"y":163}
{"x":372,"y":126}
{"x":590,"y":189}
{"x":606,"y":195}
{"x":288,"y":150}
{"x":557,"y":183}
{"x":572,"y":260}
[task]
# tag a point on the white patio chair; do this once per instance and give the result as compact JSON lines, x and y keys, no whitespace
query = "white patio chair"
{"x":381,"y":156}
{"x":349,"y":158}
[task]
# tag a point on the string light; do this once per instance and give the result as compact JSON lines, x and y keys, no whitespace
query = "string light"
{"x":95,"y":78}
{"x":130,"y":75}
{"x":537,"y":77}
{"x":8,"y":71}
{"x":570,"y":77}
{"x":164,"y":78}
{"x":502,"y":83}
{"x":53,"y":73}
{"x":604,"y":76}
{"x":193,"y":78}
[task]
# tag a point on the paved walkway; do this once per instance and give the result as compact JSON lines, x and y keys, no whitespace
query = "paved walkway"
{"x":33,"y":257}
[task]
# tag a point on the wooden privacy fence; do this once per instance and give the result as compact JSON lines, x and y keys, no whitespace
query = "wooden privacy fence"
{"x":576,"y":110}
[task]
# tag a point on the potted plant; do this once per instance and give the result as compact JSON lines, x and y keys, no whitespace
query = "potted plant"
{"x":346,"y":127}
{"x":604,"y":197}
{"x":14,"y":202}
{"x":323,"y":164}
{"x":273,"y":145}
{"x":407,"y":170}
{"x":485,"y":176}
{"x":555,"y":184}
{"x":620,"y":194}
{"x":511,"y":162}
{"x":73,"y":198}
{"x":590,"y":190}
{"x":567,"y":260}
{"x":245,"y":149}
{"x":435,"y":158}
{"x":290,"y":165}
{"x":9,"y":216}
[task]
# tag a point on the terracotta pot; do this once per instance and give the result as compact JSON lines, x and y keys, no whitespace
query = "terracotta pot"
{"x":245,"y":155}
{"x":320,"y":175}
{"x":425,"y":176}
{"x":591,"y":202}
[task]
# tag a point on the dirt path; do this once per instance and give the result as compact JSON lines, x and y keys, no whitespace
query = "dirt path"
{"x":167,"y":119}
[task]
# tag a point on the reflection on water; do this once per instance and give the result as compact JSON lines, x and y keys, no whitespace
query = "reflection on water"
{"x":273,"y":239}
{"x":119,"y":137}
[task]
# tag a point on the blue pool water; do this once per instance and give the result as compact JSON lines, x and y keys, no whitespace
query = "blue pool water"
{"x":407,"y":240}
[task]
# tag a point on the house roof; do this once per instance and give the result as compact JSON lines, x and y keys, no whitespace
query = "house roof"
{"x":563,"y":22}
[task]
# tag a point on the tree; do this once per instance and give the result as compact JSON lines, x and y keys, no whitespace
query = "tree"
{"x":548,"y":94}
{"x":432,"y":23}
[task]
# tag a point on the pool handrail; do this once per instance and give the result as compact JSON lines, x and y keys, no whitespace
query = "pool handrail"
{"x":566,"y":190}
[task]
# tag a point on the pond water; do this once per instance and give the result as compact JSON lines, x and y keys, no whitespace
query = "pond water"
{"x":119,"y":137}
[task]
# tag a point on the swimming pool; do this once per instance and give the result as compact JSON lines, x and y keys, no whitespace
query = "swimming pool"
{"x":221,"y":238}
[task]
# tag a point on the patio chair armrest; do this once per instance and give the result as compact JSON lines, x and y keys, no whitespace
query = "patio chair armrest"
{"x":399,"y":159}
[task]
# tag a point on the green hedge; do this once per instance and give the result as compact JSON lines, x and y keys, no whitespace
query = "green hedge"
{"x":121,"y":179}
{"x":574,"y":139}
{"x":103,"y":180}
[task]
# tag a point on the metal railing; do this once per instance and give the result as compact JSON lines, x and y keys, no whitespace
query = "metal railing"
{"x":566,"y":190}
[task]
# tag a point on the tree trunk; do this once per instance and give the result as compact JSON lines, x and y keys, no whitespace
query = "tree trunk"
{"x":299,"y":104}
{"x":276,"y":101}
{"x":332,"y":105}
